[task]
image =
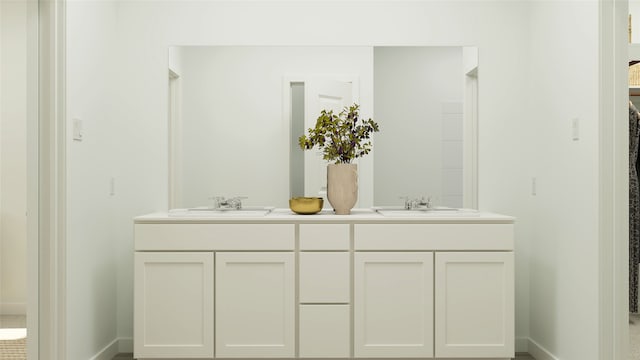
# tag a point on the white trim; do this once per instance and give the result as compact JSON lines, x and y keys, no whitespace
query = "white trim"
{"x":522,"y":344}
{"x":125,"y":345}
{"x":1,"y":119}
{"x":288,"y":79}
{"x":538,"y":352}
{"x":613,"y":180}
{"x":108,"y":352}
{"x":115,"y":347}
{"x":32,"y":139}
{"x":470,"y":140}
{"x":174,"y":96}
{"x":13,"y":308}
{"x":52,"y":180}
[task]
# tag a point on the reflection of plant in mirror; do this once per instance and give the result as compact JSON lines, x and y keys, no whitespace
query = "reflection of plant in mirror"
{"x":343,"y":137}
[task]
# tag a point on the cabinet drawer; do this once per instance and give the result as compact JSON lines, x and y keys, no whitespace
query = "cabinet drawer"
{"x":324,"y":277}
{"x":426,"y":237}
{"x":215,"y":237}
{"x":324,"y":331}
{"x":324,"y":236}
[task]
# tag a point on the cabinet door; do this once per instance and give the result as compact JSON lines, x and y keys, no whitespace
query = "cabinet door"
{"x":255,"y":305}
{"x":173,"y":305}
{"x":474,"y":304}
{"x":393,"y":305}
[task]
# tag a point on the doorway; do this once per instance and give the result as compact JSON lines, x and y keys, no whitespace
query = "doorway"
{"x":304,"y":98}
{"x":18,"y":111}
{"x":633,"y":238}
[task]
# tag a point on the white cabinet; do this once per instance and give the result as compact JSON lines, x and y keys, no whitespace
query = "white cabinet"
{"x":393,"y":304}
{"x":324,"y":331}
{"x":325,"y":309}
{"x":324,"y":286}
{"x":474,"y":304}
{"x":324,"y":277}
{"x":173,"y":305}
{"x":324,"y":237}
{"x":255,"y":305}
{"x":312,"y":287}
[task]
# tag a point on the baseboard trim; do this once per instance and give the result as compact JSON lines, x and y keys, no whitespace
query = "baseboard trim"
{"x":108,"y":352}
{"x":522,"y":344}
{"x":538,"y":352}
{"x":13,"y":308}
{"x":125,"y":345}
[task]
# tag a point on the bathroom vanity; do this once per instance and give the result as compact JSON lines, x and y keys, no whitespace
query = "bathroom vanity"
{"x":363,"y":285}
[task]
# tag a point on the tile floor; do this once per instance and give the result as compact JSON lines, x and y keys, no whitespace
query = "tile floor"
{"x":13,"y":321}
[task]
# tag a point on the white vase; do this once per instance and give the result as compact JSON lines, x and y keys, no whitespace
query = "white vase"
{"x":342,"y":187}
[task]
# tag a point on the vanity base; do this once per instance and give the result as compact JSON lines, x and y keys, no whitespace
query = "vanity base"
{"x":299,"y":287}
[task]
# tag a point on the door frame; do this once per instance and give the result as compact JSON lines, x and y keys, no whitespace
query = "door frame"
{"x":175,"y":140}
{"x":470,"y":140}
{"x":289,"y":79}
{"x":33,"y":213}
{"x":47,"y":203}
{"x":613,"y":197}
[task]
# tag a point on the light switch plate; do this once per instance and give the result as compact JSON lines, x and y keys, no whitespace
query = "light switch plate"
{"x":77,"y":130}
{"x":534,"y":186}
{"x":575,"y":129}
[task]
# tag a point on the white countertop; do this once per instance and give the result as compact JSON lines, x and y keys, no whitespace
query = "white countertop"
{"x":285,"y":215}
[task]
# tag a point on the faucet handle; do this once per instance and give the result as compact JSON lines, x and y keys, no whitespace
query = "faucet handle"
{"x":236,"y":201}
{"x":426,"y":202}
{"x":407,"y":201}
{"x":217,"y":201}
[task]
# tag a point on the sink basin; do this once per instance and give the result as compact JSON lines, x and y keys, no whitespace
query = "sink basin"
{"x":209,"y":212}
{"x":432,"y":212}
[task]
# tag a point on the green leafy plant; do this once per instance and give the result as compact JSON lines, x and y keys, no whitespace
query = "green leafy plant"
{"x":342,"y":137}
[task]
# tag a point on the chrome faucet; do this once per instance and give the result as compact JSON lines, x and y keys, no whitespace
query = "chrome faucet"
{"x":220,"y":203}
{"x":413,"y":204}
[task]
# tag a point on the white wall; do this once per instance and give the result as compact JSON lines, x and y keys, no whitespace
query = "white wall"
{"x":634,"y":11}
{"x":235,"y":137}
{"x":498,"y":28}
{"x":469,"y":59}
{"x":175,"y":59}
{"x":524,"y":133}
{"x":564,"y":243}
{"x":13,"y":194}
{"x":418,"y":151}
{"x":92,"y":89}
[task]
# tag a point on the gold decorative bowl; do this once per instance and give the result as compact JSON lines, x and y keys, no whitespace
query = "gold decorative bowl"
{"x":306,"y":205}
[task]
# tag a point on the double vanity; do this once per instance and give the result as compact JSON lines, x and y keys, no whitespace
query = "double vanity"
{"x":373,"y":284}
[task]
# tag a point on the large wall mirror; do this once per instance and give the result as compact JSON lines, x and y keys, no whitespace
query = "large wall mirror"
{"x":236,"y":113}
